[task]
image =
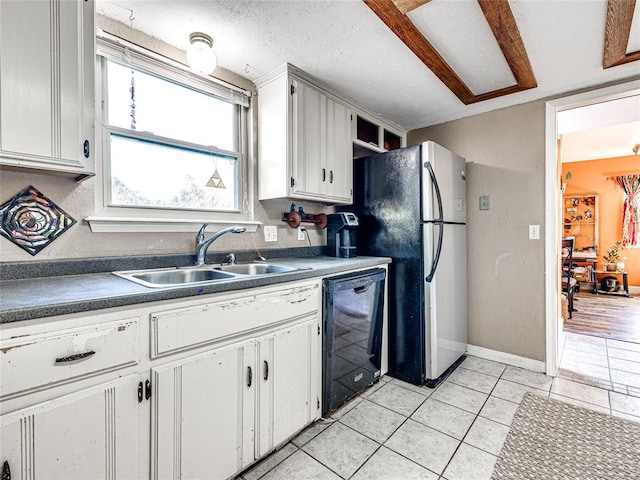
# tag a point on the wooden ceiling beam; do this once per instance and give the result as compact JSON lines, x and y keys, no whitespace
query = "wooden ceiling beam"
{"x":617,"y":32}
{"x":405,"y":6}
{"x":503,"y":25}
{"x":420,"y":46}
{"x":504,"y":28}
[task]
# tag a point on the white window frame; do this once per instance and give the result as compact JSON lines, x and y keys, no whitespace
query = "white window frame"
{"x":109,"y":218}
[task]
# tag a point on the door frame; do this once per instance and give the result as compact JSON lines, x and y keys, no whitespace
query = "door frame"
{"x":553,"y":321}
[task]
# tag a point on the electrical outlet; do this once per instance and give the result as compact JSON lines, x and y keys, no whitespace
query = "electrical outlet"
{"x":301,"y":234}
{"x":270,"y":233}
{"x":534,"y":232}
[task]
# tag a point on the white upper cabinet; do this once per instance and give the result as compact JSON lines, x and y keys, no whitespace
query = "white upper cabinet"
{"x":304,"y":138}
{"x":47,"y":86}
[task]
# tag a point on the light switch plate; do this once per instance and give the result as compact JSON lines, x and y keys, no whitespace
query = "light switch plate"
{"x":534,"y":232}
{"x":485,"y":202}
{"x":270,"y":233}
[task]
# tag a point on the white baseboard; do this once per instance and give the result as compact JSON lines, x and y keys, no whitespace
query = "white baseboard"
{"x":633,"y":290}
{"x":508,"y":358}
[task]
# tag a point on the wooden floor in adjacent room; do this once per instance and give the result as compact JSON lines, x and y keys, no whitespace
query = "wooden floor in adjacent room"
{"x":606,"y":316}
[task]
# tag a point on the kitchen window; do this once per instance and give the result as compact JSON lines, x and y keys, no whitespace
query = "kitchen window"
{"x":173,"y":144}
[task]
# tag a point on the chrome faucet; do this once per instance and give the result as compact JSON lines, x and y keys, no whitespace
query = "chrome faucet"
{"x":202,"y":244}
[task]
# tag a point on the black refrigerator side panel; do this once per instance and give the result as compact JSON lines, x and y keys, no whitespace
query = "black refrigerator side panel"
{"x":406,"y":324}
{"x":387,"y":203}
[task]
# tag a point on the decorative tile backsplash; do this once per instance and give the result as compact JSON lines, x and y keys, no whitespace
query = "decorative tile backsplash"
{"x":32,"y":221}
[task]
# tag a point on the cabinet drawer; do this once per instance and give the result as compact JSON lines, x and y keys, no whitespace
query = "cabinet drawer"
{"x":45,"y":360}
{"x":180,"y":329}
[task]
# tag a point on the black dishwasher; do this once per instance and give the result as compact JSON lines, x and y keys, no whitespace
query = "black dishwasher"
{"x":352,"y":341}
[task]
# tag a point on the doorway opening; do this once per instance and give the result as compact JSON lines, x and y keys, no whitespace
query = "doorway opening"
{"x":581,"y":350}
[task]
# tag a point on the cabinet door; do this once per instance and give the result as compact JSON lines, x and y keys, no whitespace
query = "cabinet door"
{"x":288,"y":398}
{"x":322,"y":164}
{"x":309,"y":133}
{"x":339,"y":163}
{"x":80,"y":436}
{"x":46,"y":80}
{"x":203,"y":414}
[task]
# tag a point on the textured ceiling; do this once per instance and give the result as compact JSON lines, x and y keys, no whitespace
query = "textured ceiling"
{"x":599,"y":143}
{"x":344,"y":44}
{"x":602,"y":130}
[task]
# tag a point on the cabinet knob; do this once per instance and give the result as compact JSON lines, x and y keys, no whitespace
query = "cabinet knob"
{"x":249,"y":377}
{"x":324,"y":174}
{"x":330,"y":176}
{"x":266,"y":370}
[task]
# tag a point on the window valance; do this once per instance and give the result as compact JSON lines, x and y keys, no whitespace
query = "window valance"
{"x":119,"y":50}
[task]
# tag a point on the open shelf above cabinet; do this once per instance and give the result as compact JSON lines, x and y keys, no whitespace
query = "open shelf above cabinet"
{"x":391,"y":141}
{"x":373,"y":137}
{"x":367,"y":131}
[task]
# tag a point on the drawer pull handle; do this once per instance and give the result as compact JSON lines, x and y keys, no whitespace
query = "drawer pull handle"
{"x":76,"y":356}
{"x":266,"y":370}
{"x":249,"y":377}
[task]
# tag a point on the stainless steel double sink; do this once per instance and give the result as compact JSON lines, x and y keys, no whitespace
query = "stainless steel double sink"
{"x":185,"y":276}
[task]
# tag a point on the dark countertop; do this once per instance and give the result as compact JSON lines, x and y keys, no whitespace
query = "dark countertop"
{"x":37,"y":297}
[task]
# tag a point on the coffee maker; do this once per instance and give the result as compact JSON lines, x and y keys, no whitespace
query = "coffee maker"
{"x":341,"y":234}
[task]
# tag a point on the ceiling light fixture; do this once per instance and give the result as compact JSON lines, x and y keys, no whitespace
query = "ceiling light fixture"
{"x":200,"y":56}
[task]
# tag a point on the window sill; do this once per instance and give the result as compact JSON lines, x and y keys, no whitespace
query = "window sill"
{"x":144,"y":225}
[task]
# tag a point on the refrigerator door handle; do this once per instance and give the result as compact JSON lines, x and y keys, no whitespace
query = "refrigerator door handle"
{"x":436,"y":258}
{"x":436,"y":187}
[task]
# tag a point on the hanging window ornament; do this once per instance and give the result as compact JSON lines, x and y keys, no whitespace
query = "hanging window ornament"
{"x":132,"y":90}
{"x":216,"y":180}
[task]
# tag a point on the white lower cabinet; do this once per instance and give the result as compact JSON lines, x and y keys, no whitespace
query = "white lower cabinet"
{"x":287,"y":392}
{"x":91,"y":434}
{"x":192,"y":389}
{"x":202,"y":415}
{"x":213,"y":414}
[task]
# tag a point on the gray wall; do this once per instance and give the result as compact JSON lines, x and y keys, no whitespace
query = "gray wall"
{"x":77,"y":199}
{"x":505,"y":154}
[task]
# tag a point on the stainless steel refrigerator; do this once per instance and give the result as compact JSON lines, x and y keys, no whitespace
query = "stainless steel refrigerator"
{"x":412,"y":207}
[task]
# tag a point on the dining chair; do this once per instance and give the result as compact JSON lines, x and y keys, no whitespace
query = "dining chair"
{"x":569,"y":283}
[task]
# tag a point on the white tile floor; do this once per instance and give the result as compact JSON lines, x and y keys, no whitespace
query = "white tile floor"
{"x":600,"y":362}
{"x":395,"y":430}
